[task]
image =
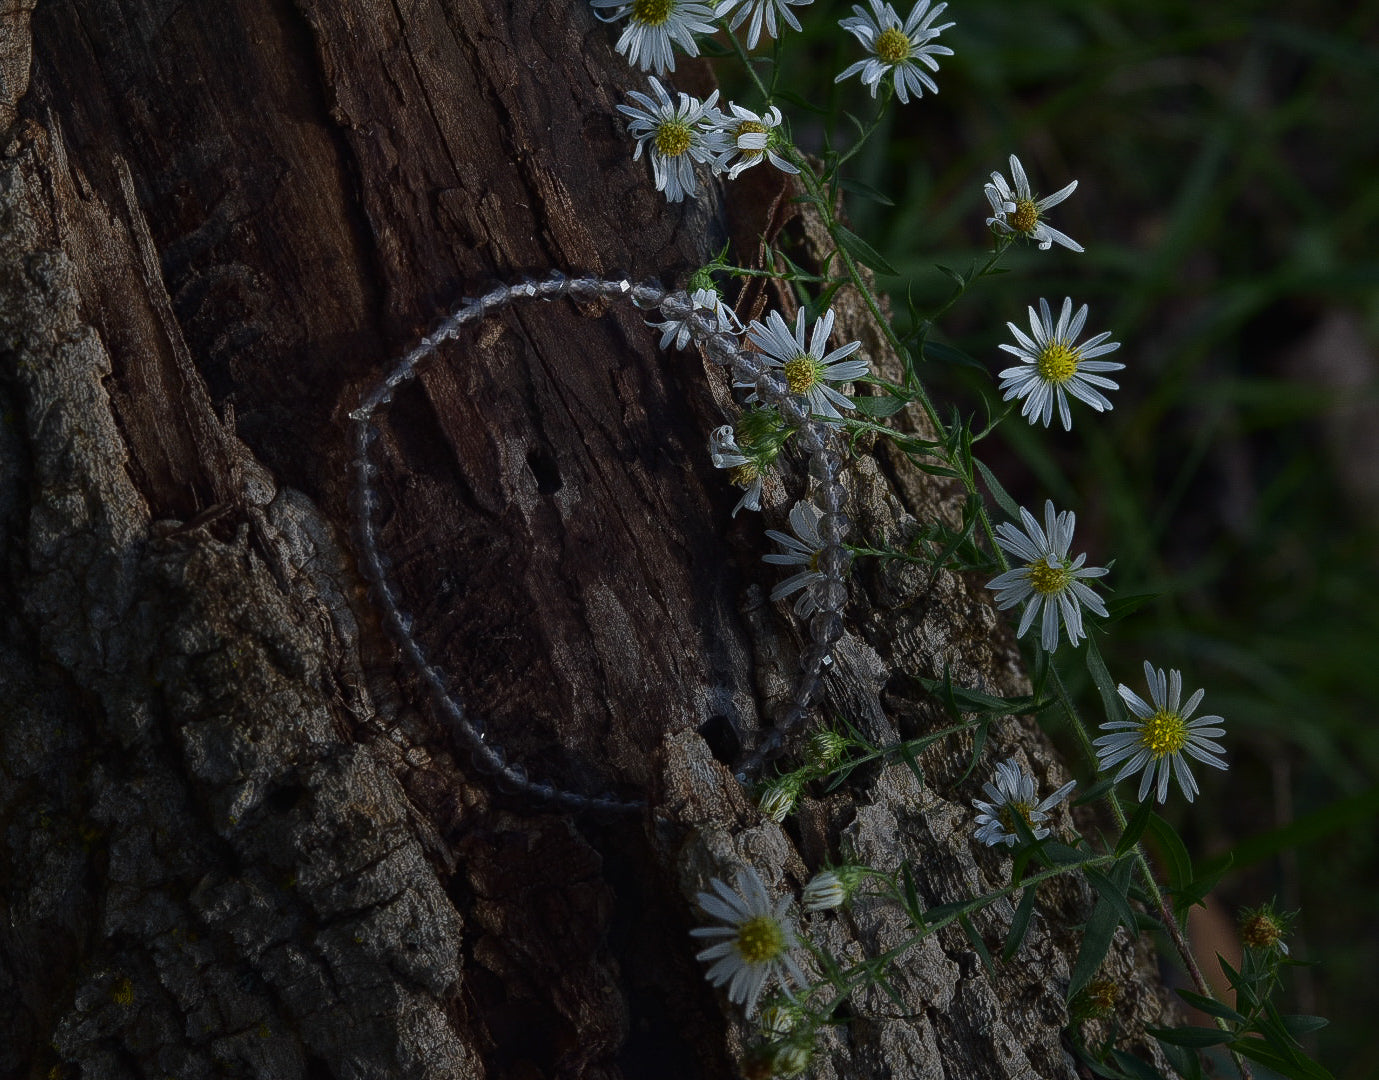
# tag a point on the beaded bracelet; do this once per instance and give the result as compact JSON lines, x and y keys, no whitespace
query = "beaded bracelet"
{"x":818,"y":438}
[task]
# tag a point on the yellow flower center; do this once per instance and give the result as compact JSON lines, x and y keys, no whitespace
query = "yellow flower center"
{"x":1259,"y":931}
{"x":801,"y":373}
{"x":1007,"y":815}
{"x":892,"y":45}
{"x":743,"y":476}
{"x":760,"y":940}
{"x":652,"y":12}
{"x":1025,"y":217}
{"x":673,"y":138}
{"x":1047,"y":579}
{"x":1163,"y":733}
{"x":1057,"y":363}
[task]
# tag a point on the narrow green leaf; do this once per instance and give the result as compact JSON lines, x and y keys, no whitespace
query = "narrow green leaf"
{"x":1113,"y":893}
{"x":863,"y":252}
{"x":943,"y":911}
{"x":1008,"y":505}
{"x":907,"y":880}
{"x":1211,"y":1007}
{"x":937,"y":350}
{"x":1019,"y":926}
{"x":978,"y":944}
{"x":1299,"y":1024}
{"x":1134,"y":828}
{"x":1293,"y":1068}
{"x":857,"y":187}
{"x":1185,"y":1062}
{"x":880,"y":407}
{"x":1174,"y":853}
{"x":1190,"y":1036}
{"x":1096,"y":940}
{"x":1106,"y":687}
{"x":1134,"y":1067}
{"x":949,"y":272}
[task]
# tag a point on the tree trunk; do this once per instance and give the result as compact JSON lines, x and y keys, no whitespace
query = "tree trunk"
{"x":238,"y":838}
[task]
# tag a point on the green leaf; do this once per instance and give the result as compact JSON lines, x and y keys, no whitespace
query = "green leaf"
{"x":878,"y":408}
{"x":1106,"y":687}
{"x":1095,"y":792}
{"x":943,"y":911}
{"x":1298,"y":1024}
{"x":863,"y":252}
{"x":866,"y":191}
{"x":1121,"y":606}
{"x":953,"y":275}
{"x":1019,"y":926}
{"x":1211,"y":1006}
{"x":1113,"y":893}
{"x":1134,"y":828}
{"x":1174,"y":853}
{"x":978,"y":944}
{"x":907,"y":879}
{"x":937,"y":350}
{"x":1292,"y":1067}
{"x":1184,"y":1061}
{"x":1190,"y":1036}
{"x":1134,"y":1067}
{"x":1096,"y":940}
{"x":1008,"y":505}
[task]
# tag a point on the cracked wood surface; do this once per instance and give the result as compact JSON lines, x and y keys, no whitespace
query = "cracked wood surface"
{"x":236,"y":842}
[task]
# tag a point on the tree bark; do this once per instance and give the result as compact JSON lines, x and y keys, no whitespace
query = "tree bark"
{"x":237,"y":839}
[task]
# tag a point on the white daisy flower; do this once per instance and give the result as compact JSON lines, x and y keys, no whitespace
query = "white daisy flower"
{"x":1160,"y":734}
{"x":675,"y":136}
{"x":898,"y":47}
{"x":1052,"y":366}
{"x":802,"y":549}
{"x":744,"y":472}
{"x":808,"y":371}
{"x":1014,"y":793}
{"x":678,"y":330}
{"x":1017,"y":211}
{"x":655,"y":25}
{"x":756,"y":942}
{"x":749,"y":136}
{"x":761,"y":10}
{"x":1048,"y":580}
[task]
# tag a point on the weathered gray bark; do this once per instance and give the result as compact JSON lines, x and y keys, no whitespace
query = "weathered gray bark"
{"x":235,"y":839}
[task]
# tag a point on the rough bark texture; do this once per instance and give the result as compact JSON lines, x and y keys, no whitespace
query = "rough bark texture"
{"x":233,"y":839}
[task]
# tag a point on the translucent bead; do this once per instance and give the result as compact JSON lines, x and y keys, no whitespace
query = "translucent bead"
{"x":722,"y":349}
{"x":648,"y":294}
{"x":830,"y":496}
{"x":833,"y":528}
{"x":770,"y":385}
{"x":834,"y":560}
{"x":555,"y":284}
{"x":745,"y":369}
{"x":805,"y":690}
{"x":794,"y":716}
{"x":488,"y":759}
{"x":810,"y":438}
{"x":825,"y":629}
{"x":824,"y":464}
{"x":495,"y":297}
{"x":828,"y":594}
{"x":617,"y":287}
{"x":794,"y":409}
{"x":701,"y":324}
{"x":677,"y":306}
{"x":585,"y":288}
{"x":525,"y":290}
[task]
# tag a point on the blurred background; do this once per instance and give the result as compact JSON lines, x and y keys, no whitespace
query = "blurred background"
{"x":1228,"y":164}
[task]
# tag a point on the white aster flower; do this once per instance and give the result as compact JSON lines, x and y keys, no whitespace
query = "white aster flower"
{"x":808,"y":371}
{"x":896,"y":46}
{"x":749,"y":137}
{"x":654,"y":26}
{"x":1017,"y":211}
{"x":802,"y":549}
{"x":1048,"y":580}
{"x":1052,"y":366}
{"x":678,"y":330}
{"x":1014,"y":793}
{"x":761,"y":10}
{"x":744,"y":472}
{"x":675,"y":136}
{"x":756,"y":942}
{"x":1160,"y":734}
